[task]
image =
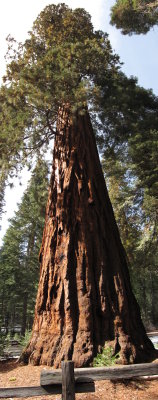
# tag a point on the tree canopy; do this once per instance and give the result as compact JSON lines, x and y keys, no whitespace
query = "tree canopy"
{"x":134,"y":16}
{"x":59,"y":63}
{"x":66,"y":61}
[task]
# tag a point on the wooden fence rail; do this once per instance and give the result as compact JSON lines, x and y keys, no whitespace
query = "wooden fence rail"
{"x":100,"y":373}
{"x":68,"y":381}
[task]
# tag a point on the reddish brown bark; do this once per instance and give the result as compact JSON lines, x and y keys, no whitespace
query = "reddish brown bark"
{"x":84,"y":297}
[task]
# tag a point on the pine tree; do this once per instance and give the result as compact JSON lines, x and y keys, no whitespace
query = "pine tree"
{"x":61,"y":74}
{"x":134,"y":16}
{"x":19,"y":267}
{"x":135,"y":205}
{"x":129,"y":127}
{"x":2,"y":193}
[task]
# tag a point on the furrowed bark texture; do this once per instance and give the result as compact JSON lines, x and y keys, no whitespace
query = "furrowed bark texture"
{"x":84,"y":297}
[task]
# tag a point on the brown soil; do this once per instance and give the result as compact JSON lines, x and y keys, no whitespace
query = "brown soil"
{"x":13,"y":374}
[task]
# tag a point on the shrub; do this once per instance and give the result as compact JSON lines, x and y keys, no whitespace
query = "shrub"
{"x":24,"y":340}
{"x":106,"y":358}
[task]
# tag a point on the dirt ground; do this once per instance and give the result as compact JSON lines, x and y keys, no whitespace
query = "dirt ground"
{"x":12,"y":374}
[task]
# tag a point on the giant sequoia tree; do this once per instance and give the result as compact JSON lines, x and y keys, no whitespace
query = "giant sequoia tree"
{"x":56,"y":83}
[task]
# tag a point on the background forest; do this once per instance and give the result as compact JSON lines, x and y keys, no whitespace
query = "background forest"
{"x":128,"y":151}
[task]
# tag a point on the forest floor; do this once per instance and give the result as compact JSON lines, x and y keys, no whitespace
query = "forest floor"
{"x":13,"y":374}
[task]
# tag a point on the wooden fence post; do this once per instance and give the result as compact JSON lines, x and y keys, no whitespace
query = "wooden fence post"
{"x":68,"y":381}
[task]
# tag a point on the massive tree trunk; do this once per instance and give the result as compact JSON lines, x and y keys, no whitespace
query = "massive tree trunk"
{"x":84,"y":297}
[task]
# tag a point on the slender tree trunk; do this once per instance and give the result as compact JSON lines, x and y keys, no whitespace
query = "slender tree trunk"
{"x":7,"y":322}
{"x":29,"y":253}
{"x":84,"y":297}
{"x":24,"y":314}
{"x":154,"y":318}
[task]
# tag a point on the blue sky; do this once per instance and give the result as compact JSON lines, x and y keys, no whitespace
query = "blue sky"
{"x":138,"y":53}
{"x":140,"y":57}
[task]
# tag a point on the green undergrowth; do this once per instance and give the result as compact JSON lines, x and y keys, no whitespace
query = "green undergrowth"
{"x":106,"y":358}
{"x":24,"y":340}
{"x":5,"y":341}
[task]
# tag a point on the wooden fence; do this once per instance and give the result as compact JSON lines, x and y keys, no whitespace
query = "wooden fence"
{"x":68,"y":381}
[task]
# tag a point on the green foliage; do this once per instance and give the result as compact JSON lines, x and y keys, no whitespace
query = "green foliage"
{"x":136,"y":215}
{"x":57,"y":64}
{"x":143,"y":150}
{"x":2,"y":192}
{"x":65,"y":61}
{"x":106,"y":358}
{"x":129,"y":158}
{"x":19,"y":267}
{"x":134,"y":16}
{"x":24,"y":340}
{"x":2,"y":343}
{"x":128,"y":127}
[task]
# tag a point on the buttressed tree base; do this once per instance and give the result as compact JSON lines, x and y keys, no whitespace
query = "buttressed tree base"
{"x":84,"y":297}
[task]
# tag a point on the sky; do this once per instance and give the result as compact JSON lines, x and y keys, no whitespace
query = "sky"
{"x":138,"y":53}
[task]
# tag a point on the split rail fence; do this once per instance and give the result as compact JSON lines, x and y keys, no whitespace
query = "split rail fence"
{"x":68,"y":381}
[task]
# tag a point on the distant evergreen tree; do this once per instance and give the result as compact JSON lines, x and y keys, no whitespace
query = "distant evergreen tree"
{"x":134,"y":16}
{"x":129,"y":129}
{"x":136,"y":214}
{"x":19,"y":267}
{"x":2,"y":193}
